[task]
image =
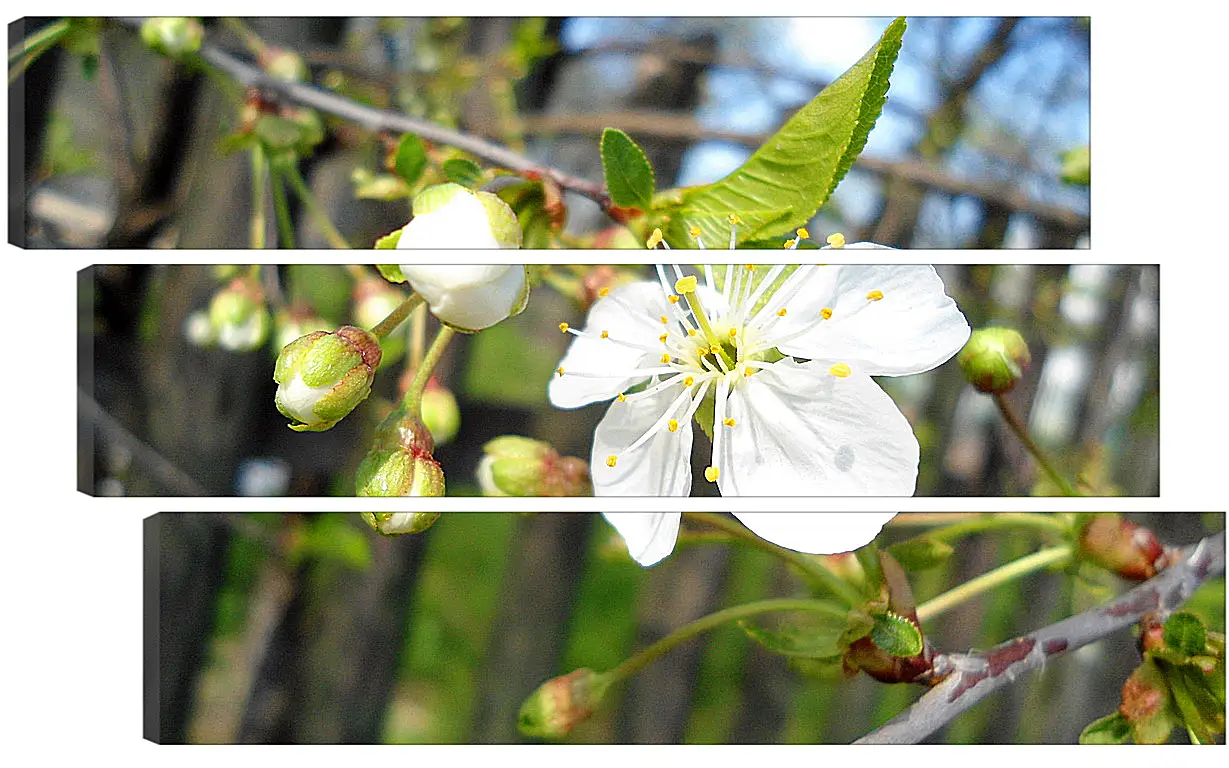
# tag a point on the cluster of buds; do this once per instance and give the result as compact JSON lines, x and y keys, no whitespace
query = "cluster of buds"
{"x":322,"y":376}
{"x":994,"y":359}
{"x":400,"y":462}
{"x":520,"y":466}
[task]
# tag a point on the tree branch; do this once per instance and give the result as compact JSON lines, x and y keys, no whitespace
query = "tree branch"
{"x":969,"y":678}
{"x":384,"y":120}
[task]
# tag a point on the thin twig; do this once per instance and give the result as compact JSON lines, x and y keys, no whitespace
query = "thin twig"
{"x":970,"y":678}
{"x":384,"y":120}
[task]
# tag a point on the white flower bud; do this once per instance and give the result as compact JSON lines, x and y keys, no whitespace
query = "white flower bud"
{"x":451,"y":216}
{"x":470,"y":297}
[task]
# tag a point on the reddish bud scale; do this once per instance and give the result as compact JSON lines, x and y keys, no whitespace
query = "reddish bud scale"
{"x":863,"y":654}
{"x":1118,"y":545}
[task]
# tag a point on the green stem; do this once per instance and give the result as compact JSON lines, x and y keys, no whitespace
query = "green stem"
{"x":396,"y":317}
{"x":646,"y":657}
{"x":313,"y":207}
{"x":413,"y":395}
{"x":995,"y":578}
{"x":250,"y":38}
{"x":259,"y":185}
{"x":998,"y":521}
{"x":1022,"y":433}
{"x":281,"y":207}
{"x":40,"y":40}
{"x":807,"y":564}
{"x":418,"y":336}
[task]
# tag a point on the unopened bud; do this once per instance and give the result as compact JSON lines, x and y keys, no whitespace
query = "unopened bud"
{"x":520,"y":466}
{"x":470,"y":297}
{"x":290,"y":324}
{"x":174,"y":36}
{"x":198,"y":330}
{"x":994,"y":359}
{"x":374,"y":300}
{"x":1121,"y":546}
{"x":400,"y":462}
{"x":322,"y":376}
{"x":440,"y":412}
{"x":284,"y":65}
{"x":396,"y":523}
{"x":239,"y":317}
{"x":451,"y":216}
{"x":561,"y":704}
{"x":1146,"y":705}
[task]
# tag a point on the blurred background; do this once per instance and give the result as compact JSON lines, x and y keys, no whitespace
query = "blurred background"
{"x":160,"y":415}
{"x":311,"y":628}
{"x":983,"y":141}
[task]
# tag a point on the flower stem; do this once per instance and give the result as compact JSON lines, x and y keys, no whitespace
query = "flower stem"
{"x":995,"y":578}
{"x":808,"y":565}
{"x":396,"y":317}
{"x":281,"y":208}
{"x":313,"y":207}
{"x":990,"y":521}
{"x":642,"y":659}
{"x":1022,"y":433}
{"x":413,"y":395}
{"x":259,"y":183}
{"x":43,"y":38}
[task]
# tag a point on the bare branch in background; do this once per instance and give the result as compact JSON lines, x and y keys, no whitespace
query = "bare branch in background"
{"x":972,"y":677}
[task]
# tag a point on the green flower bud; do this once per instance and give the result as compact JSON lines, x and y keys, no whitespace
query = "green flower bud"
{"x":520,"y":466}
{"x":994,"y":359}
{"x":289,"y":325}
{"x":440,"y":412}
{"x":396,"y":523}
{"x":561,"y":704}
{"x":284,"y":65}
{"x":239,"y":317}
{"x":1118,"y":545}
{"x":174,"y":36}
{"x":400,"y":461}
{"x":322,"y":376}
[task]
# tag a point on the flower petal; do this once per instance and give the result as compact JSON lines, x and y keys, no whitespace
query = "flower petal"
{"x":800,"y":430}
{"x":817,"y":533}
{"x":659,"y":467}
{"x":631,"y":313}
{"x":912,"y":327}
{"x":649,"y":536}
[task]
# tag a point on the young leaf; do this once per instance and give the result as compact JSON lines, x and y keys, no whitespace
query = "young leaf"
{"x":920,"y":553}
{"x":629,"y":177}
{"x":784,"y":183}
{"x":896,"y":635}
{"x":1111,"y":729}
{"x":463,"y":172}
{"x":411,"y":158}
{"x":814,"y":641}
{"x":1184,"y":632}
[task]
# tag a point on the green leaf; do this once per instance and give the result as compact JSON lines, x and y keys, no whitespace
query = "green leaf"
{"x":896,"y":635}
{"x":1077,"y":167}
{"x":785,"y":182}
{"x":1202,"y":714}
{"x":629,"y":177}
{"x":1184,"y":632}
{"x":391,"y":272}
{"x":411,"y":158}
{"x":1111,"y":729}
{"x":463,"y":172}
{"x":813,"y":639}
{"x":921,"y":553}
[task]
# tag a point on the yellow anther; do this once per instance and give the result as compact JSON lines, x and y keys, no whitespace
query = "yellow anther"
{"x":733,"y":332}
{"x":563,"y":327}
{"x":781,"y":312}
{"x":665,"y":358}
{"x":694,"y":231}
{"x":612,"y":460}
{"x":665,"y":320}
{"x":662,"y":338}
{"x":686,"y":284}
{"x":711,"y":474}
{"x":825,"y":313}
{"x":673,"y":298}
{"x":622,"y":398}
{"x":748,"y":371}
{"x":840,"y":370}
{"x":604,"y":292}
{"x":654,"y":239}
{"x":790,"y":243}
{"x":836,"y":240}
{"x":733,"y":219}
{"x":559,"y":370}
{"x":673,"y":425}
{"x":874,"y":295}
{"x":802,"y":233}
{"x":750,"y":267}
{"x":691,"y":331}
{"x":605,"y":334}
{"x":687,"y":382}
{"x":728,"y":422}
{"x":702,"y":351}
